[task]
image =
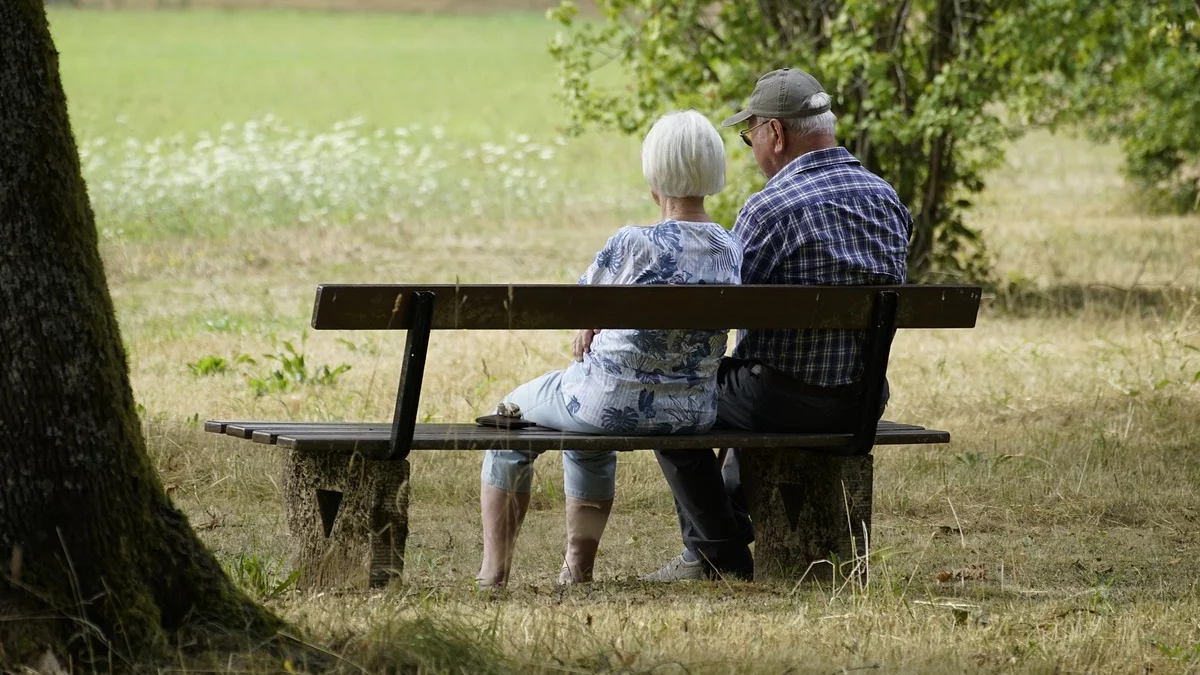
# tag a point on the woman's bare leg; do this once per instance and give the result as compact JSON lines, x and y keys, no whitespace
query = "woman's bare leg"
{"x":586,"y":519}
{"x":503,"y":512}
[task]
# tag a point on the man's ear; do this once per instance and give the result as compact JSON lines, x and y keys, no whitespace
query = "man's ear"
{"x":657,"y":199}
{"x":780,"y":137}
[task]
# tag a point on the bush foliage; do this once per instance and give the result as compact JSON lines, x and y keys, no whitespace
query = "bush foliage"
{"x":927,"y":91}
{"x":1128,"y":71}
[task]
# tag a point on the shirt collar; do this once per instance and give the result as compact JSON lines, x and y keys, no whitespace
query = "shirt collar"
{"x":817,"y":159}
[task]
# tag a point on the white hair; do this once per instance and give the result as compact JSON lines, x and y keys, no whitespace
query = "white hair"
{"x":818,"y":125}
{"x":684,"y":156}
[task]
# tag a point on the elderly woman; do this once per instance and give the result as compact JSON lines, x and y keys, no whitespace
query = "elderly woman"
{"x":624,"y":381}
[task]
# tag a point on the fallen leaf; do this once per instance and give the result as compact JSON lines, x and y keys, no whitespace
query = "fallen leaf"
{"x":214,"y":521}
{"x":973,"y":572}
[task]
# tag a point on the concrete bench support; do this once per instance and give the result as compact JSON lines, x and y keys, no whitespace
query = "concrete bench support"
{"x":348,"y":518}
{"x":807,"y":507}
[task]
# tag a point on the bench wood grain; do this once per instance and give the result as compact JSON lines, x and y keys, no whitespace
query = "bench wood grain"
{"x":551,"y":306}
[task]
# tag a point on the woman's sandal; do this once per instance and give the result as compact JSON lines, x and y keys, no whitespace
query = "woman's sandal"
{"x":565,"y":578}
{"x":507,"y":416}
{"x":503,"y":422}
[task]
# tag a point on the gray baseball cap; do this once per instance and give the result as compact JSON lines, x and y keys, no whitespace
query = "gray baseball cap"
{"x":781,"y":94}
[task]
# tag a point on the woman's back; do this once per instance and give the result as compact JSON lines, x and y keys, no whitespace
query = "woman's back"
{"x":655,"y":381}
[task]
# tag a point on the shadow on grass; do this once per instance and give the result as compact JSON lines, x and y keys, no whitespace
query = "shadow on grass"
{"x":436,"y":643}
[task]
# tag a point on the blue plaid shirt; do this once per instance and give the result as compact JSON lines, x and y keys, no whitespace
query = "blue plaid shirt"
{"x":823,"y":220}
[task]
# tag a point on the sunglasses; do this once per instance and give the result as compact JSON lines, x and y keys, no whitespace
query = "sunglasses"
{"x":745,"y":133}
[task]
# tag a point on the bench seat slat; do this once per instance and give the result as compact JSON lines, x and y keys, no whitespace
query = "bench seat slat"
{"x":270,"y":436}
{"x":372,"y":438}
{"x":248,"y":429}
{"x":244,"y":428}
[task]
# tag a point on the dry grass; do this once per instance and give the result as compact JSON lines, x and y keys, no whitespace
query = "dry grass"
{"x":1064,"y":515}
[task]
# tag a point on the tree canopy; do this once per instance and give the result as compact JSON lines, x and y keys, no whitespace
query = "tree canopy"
{"x":927,"y":91}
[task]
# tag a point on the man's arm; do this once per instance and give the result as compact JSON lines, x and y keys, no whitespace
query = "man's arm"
{"x":760,"y":248}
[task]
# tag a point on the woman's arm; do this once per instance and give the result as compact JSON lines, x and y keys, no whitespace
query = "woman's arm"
{"x":605,"y":269}
{"x":609,"y":262}
{"x":582,"y":343}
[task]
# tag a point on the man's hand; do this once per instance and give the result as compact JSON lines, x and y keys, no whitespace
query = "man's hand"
{"x":583,"y":342}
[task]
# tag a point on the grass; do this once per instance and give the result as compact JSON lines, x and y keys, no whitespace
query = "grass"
{"x":151,"y":74}
{"x":1064,"y":517}
{"x":331,"y":118}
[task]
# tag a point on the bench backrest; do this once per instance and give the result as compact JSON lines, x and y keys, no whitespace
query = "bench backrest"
{"x":877,"y":310}
{"x":537,"y":307}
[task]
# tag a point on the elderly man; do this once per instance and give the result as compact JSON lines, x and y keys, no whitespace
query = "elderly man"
{"x":822,"y":219}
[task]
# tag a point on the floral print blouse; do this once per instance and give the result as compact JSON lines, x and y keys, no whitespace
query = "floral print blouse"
{"x":655,"y":381}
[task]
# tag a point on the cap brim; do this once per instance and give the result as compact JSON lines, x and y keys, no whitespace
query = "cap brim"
{"x":738,"y":118}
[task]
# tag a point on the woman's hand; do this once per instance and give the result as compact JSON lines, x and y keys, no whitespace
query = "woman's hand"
{"x":583,"y":342}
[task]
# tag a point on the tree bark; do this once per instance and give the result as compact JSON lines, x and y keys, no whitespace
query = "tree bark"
{"x":95,"y":562}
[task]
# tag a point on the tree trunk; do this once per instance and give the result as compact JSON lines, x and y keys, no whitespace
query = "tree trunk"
{"x":943,"y":48}
{"x":95,"y":562}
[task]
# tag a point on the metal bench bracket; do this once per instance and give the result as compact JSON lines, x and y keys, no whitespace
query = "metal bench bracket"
{"x":876,"y":350}
{"x":404,"y":421}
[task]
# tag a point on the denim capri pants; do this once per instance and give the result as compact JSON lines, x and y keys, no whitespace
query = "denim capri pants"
{"x":590,"y":475}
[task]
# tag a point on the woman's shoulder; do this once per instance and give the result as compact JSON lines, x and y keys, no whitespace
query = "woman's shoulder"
{"x":718,"y":231}
{"x":714,"y":234}
{"x":619,"y":238}
{"x":637,"y":237}
{"x":675,"y":236}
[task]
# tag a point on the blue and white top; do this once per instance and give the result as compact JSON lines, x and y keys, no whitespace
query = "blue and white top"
{"x":655,"y":381}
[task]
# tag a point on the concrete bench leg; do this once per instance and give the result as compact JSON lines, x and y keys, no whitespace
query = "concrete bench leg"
{"x":348,"y":518}
{"x":807,"y":507}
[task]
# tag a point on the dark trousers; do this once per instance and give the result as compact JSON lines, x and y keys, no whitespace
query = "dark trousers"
{"x":713,"y":518}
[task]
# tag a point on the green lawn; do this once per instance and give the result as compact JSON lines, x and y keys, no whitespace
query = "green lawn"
{"x":201,"y":123}
{"x":148,"y":74}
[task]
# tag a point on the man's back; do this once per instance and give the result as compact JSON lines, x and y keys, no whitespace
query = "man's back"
{"x":822,"y":220}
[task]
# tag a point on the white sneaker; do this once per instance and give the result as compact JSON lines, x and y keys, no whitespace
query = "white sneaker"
{"x":679,"y":568}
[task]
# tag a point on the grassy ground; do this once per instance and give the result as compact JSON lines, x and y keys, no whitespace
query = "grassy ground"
{"x":1064,"y":516}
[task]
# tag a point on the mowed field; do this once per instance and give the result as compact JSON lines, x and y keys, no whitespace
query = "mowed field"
{"x":236,"y":159}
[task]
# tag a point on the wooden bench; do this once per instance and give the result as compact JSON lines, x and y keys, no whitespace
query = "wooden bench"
{"x":346,"y":484}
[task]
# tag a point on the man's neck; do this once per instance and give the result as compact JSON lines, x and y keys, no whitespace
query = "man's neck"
{"x":806,"y":144}
{"x":799,"y":146}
